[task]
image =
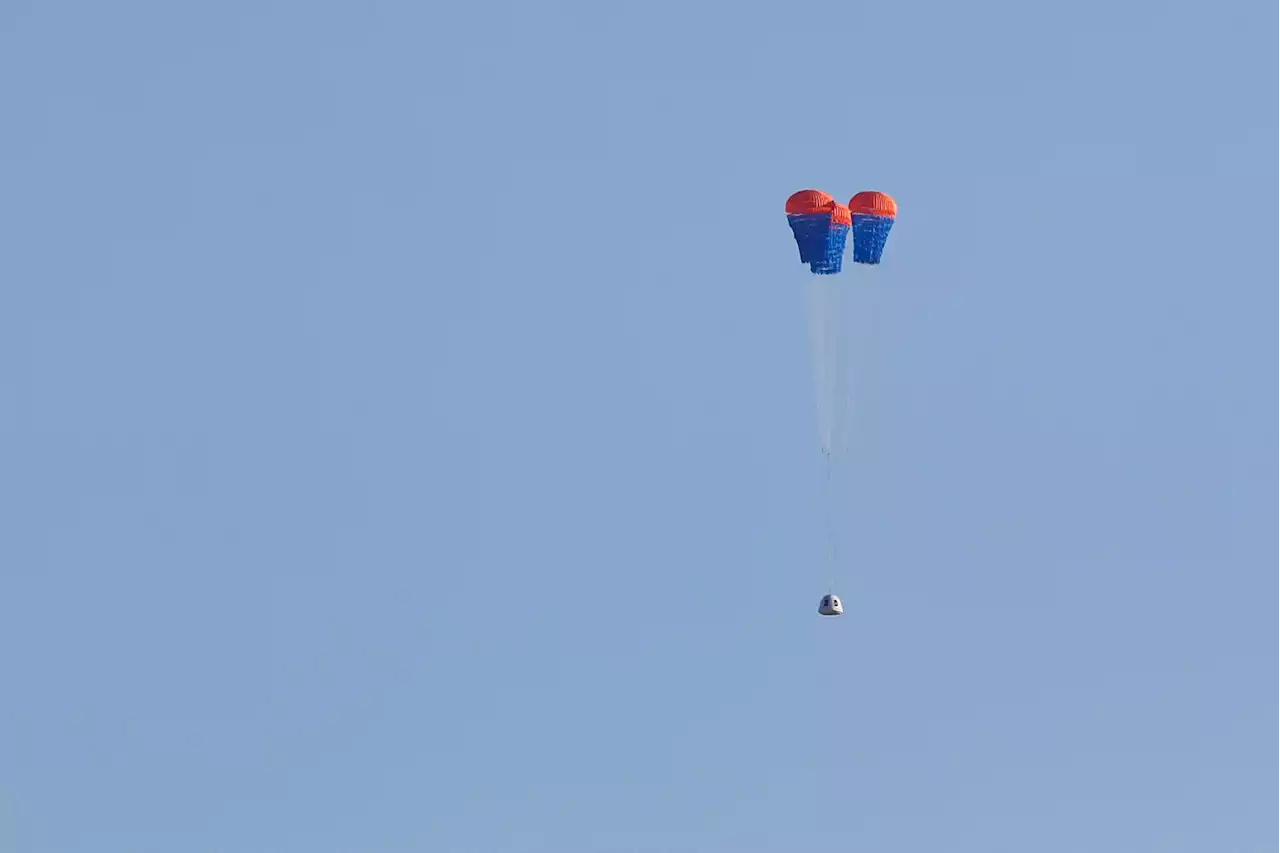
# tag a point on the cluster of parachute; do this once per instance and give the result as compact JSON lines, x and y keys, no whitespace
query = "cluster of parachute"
{"x":822,"y":225}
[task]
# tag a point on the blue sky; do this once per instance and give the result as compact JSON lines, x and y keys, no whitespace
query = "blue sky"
{"x":406,"y":432}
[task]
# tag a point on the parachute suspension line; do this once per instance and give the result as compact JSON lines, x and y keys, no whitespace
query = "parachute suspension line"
{"x":825,"y":338}
{"x":829,"y":522}
{"x":840,"y":432}
{"x":843,"y":402}
{"x":853,"y":325}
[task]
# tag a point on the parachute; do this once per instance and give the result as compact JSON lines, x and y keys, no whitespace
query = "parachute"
{"x":822,"y":227}
{"x":873,"y":214}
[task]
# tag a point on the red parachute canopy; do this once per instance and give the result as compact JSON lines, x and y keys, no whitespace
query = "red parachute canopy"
{"x":874,"y":204}
{"x":807,"y":202}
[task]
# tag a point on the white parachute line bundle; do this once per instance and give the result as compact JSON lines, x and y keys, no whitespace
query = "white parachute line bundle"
{"x":826,"y":327}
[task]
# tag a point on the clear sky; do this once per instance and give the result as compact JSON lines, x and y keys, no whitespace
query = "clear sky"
{"x":407,"y":439}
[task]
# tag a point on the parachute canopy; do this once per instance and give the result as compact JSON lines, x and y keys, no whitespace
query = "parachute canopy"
{"x":873,"y":214}
{"x":820,"y":225}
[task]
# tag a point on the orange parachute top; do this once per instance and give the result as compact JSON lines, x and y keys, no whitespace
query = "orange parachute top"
{"x":874,"y":204}
{"x":839,"y":213}
{"x":808,"y":201}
